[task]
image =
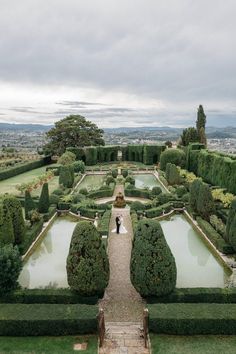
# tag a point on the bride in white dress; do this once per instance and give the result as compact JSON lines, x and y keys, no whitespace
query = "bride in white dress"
{"x":122,"y":229}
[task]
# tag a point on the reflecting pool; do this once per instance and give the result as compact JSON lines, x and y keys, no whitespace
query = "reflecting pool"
{"x":196,"y":265}
{"x":91,"y":182}
{"x":147,"y":181}
{"x":46,"y":267}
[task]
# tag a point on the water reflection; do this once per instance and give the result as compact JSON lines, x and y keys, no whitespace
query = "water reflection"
{"x":46,"y":267}
{"x":147,"y":181}
{"x":91,"y":182}
{"x":196,"y":266}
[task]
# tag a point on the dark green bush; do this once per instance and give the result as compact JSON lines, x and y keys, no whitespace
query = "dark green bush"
{"x":103,"y":226}
{"x":83,"y":191}
{"x":10,"y":267}
{"x":180,"y":191}
{"x":135,"y":192}
{"x":158,"y":211}
{"x":130,"y":180}
{"x":29,"y":204}
{"x":137,"y":206}
{"x":53,"y":199}
{"x":108,"y":192}
{"x":214,"y":237}
{"x":153,"y":269}
{"x":66,"y":177}
{"x":194,"y":193}
{"x":13,"y":205}
{"x":110,"y":180}
{"x":231,"y":225}
{"x":124,"y":172}
{"x":172,"y":174}
{"x":79,"y":166}
{"x":205,"y":202}
{"x":47,"y":319}
{"x":89,"y":212}
{"x":87,"y":262}
{"x":134,"y":220}
{"x":43,"y":204}
{"x":114,"y":173}
{"x":51,"y":211}
{"x":156,"y":191}
{"x":6,"y":227}
{"x":58,"y":192}
{"x":174,"y":156}
{"x":151,"y":153}
{"x":192,"y":319}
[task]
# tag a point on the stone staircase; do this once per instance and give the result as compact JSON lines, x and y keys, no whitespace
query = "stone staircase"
{"x":124,"y":338}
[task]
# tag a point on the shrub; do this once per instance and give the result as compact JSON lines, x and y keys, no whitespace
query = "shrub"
{"x":214,"y":237}
{"x":78,"y":197}
{"x":10,"y":267}
{"x":158,"y":211}
{"x":231,"y":225}
{"x":110,"y":180}
{"x":156,"y":191}
{"x":83,"y":191}
{"x":104,"y":222}
{"x":34,"y":216}
{"x":218,"y":224}
{"x":130,"y":180}
{"x":205,"y":203}
{"x":13,"y":205}
{"x":87,"y":262}
{"x":29,"y":204}
{"x":67,"y":158}
{"x":43,"y":204}
{"x":172,"y":174}
{"x":108,"y":192}
{"x":174,"y":156}
{"x":114,"y":173}
{"x":53,"y":199}
{"x":58,"y":192}
{"x":47,"y":319}
{"x":66,"y":177}
{"x":124,"y":173}
{"x":6,"y":227}
{"x":153,"y":269}
{"x":139,"y":193}
{"x":191,"y":319}
{"x":137,"y":206}
{"x":225,"y":198}
{"x":194,"y":193}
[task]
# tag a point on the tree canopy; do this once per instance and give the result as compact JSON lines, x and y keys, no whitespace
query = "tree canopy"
{"x":74,"y":131}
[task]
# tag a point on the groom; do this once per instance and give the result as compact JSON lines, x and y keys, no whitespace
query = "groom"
{"x":118,"y":222}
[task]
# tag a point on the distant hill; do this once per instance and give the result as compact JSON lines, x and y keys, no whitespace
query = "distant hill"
{"x":24,"y":127}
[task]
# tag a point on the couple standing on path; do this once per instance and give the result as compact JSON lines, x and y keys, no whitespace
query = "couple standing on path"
{"x":120,"y":228}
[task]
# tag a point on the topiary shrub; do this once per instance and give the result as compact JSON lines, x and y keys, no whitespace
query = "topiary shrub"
{"x":58,"y":192}
{"x":66,"y":176}
{"x":67,"y":158}
{"x":6,"y":227}
{"x":43,"y":204}
{"x":153,"y":269}
{"x":53,"y":199}
{"x":87,"y":262}
{"x":114,"y":173}
{"x":13,"y":205}
{"x":83,"y":191}
{"x":231,"y":225}
{"x":29,"y":204}
{"x":175,"y":156}
{"x":137,"y":206}
{"x":194,"y":192}
{"x":10,"y":267}
{"x":130,"y":180}
{"x":79,"y":166}
{"x":124,"y":173}
{"x":172,"y":174}
{"x":156,"y":191}
{"x":110,"y":180}
{"x":180,"y":191}
{"x":205,"y":202}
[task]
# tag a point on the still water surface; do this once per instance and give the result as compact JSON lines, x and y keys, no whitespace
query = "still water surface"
{"x":91,"y":182}
{"x":148,"y":181}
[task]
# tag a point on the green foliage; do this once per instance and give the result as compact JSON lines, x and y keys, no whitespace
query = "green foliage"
{"x":153,"y":269}
{"x":156,"y":191}
{"x":104,"y":222}
{"x":110,"y":180}
{"x":180,"y":191}
{"x":135,"y":192}
{"x":10,"y":267}
{"x":152,"y":153}
{"x":214,"y":237}
{"x":231,"y":225}
{"x":34,"y":216}
{"x":66,"y":177}
{"x":130,"y":180}
{"x":159,"y":210}
{"x":73,"y":131}
{"x":168,"y":144}
{"x":58,"y":192}
{"x":29,"y":204}
{"x":6,"y":227}
{"x":114,"y":173}
{"x":200,"y":124}
{"x":14,"y":171}
{"x":79,"y":166}
{"x":225,"y":198}
{"x":205,"y":202}
{"x":13,"y":205}
{"x":137,"y":206}
{"x":174,"y":156}
{"x":135,"y":153}
{"x":54,"y":199}
{"x":108,"y":153}
{"x":83,"y":191}
{"x":172,"y":174}
{"x":31,"y":234}
{"x":43,"y":204}
{"x":47,"y":319}
{"x":124,"y":172}
{"x":194,"y":193}
{"x":101,"y":193}
{"x":192,"y":319}
{"x":87,"y":262}
{"x":67,"y":158}
{"x":134,"y":220}
{"x":189,"y":135}
{"x":218,"y":225}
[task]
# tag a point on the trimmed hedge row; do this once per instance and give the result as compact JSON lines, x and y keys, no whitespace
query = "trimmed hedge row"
{"x":30,"y":235}
{"x":101,"y":193}
{"x":154,"y":212}
{"x":138,"y":193}
{"x":47,"y":296}
{"x":214,"y":237}
{"x":191,"y":319}
{"x":14,"y":171}
{"x":103,"y":227}
{"x":90,"y":213}
{"x":197,"y":295}
{"x":47,"y":319}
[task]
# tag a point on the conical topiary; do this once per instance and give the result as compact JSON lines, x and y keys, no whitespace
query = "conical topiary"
{"x":44,"y":199}
{"x":87,"y":261}
{"x":29,"y":204}
{"x":153,"y":269}
{"x":13,"y":205}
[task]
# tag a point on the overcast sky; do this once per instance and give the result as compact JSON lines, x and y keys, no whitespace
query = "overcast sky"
{"x":118,"y":63}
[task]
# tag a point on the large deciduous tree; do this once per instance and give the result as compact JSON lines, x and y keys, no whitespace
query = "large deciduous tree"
{"x":74,"y":131}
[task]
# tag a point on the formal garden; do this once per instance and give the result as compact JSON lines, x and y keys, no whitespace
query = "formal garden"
{"x":68,"y":279}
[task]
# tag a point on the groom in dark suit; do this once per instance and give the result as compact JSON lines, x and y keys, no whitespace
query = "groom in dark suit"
{"x":118,"y":224}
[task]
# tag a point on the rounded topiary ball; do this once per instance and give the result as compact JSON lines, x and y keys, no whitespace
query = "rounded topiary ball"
{"x":87,"y":261}
{"x":153,"y":268}
{"x":175,"y":156}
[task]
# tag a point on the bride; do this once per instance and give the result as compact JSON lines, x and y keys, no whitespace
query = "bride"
{"x":122,"y":229}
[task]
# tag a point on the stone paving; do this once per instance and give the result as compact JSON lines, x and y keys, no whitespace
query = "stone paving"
{"x":122,"y":305}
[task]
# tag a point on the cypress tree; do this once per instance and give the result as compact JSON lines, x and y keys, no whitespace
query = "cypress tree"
{"x":65,"y":177}
{"x":231,"y":225}
{"x":194,"y":192}
{"x":201,"y":124}
{"x":44,"y":199}
{"x":172,"y":174}
{"x":153,"y":268}
{"x":87,"y":261}
{"x":205,"y":202}
{"x":29,"y":204}
{"x":6,"y":227}
{"x":13,"y":205}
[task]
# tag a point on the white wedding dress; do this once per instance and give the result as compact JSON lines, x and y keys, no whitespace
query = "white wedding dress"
{"x":122,"y":227}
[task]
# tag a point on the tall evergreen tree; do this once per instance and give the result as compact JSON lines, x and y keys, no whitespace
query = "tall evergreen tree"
{"x":189,"y":135}
{"x":13,"y":205}
{"x":44,"y":199}
{"x":205,"y":202}
{"x":231,"y":225}
{"x":66,"y":176}
{"x":6,"y":227}
{"x":201,"y":124}
{"x":29,"y":204}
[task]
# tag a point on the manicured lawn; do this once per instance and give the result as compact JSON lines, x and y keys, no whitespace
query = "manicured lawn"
{"x":165,"y":344}
{"x":46,"y":345}
{"x":9,"y":185}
